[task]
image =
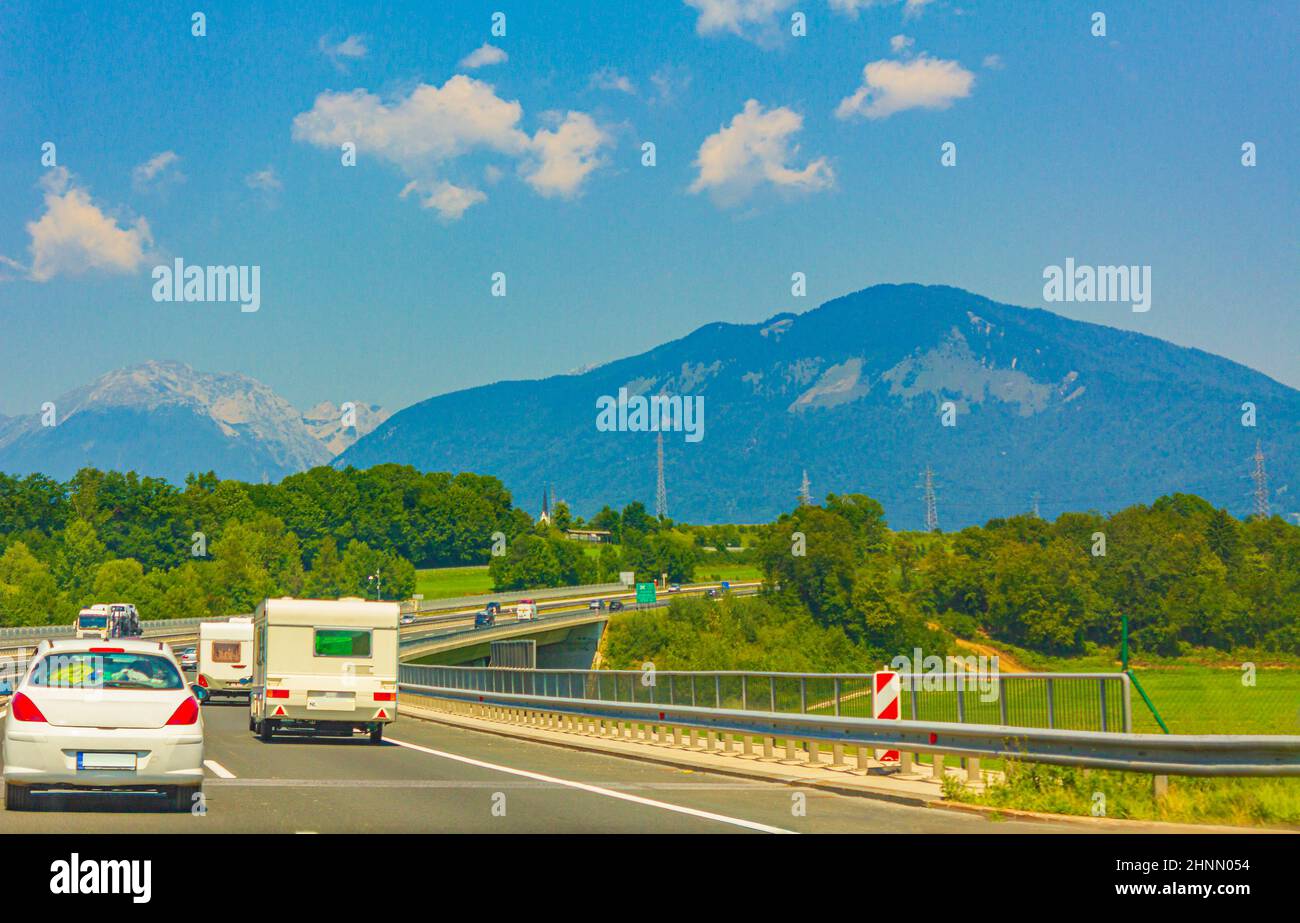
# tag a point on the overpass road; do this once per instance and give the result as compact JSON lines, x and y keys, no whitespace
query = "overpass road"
{"x":432,"y":778}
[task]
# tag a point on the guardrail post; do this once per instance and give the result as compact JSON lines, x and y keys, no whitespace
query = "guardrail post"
{"x":863,"y":756}
{"x":837,"y":696}
{"x":814,"y":752}
{"x":1101,"y":690}
{"x":744,"y":692}
{"x":936,"y":767}
{"x":973,"y":769}
{"x":905,"y":758}
{"x":791,"y":753}
{"x":1159,"y":787}
{"x":768,"y":745}
{"x":837,"y":757}
{"x":717,"y":690}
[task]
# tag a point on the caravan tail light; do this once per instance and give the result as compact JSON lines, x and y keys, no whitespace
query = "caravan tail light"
{"x":277,"y":693}
{"x":385,"y":696}
{"x":203,"y":681}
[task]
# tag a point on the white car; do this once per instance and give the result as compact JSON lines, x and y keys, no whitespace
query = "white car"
{"x":526,"y":611}
{"x":103,"y":716}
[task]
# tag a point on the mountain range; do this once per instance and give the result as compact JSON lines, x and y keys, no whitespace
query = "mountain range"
{"x":167,"y":420}
{"x":1045,"y":412}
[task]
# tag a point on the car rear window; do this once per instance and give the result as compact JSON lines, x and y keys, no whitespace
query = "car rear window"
{"x":92,"y":621}
{"x":97,"y":670}
{"x":226,"y":651}
{"x":342,"y":642}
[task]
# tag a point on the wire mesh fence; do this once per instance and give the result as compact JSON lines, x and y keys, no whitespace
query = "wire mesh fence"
{"x":1071,"y":701}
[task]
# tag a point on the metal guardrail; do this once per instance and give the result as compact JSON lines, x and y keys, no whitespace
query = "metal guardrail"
{"x":1159,"y":754}
{"x":510,"y":597}
{"x":153,"y":626}
{"x":1072,"y":701}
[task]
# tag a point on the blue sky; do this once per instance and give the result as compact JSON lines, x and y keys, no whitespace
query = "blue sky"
{"x":223,"y":149}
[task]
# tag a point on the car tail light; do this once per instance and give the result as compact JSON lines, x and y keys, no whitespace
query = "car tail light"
{"x":385,"y":696}
{"x":277,"y":693}
{"x":203,"y":681}
{"x":186,"y":713}
{"x":24,"y":709}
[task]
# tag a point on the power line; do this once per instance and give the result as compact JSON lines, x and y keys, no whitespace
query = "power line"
{"x":1260,"y":477}
{"x":661,"y":487}
{"x":931,"y":505}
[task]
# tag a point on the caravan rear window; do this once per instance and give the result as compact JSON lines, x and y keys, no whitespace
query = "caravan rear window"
{"x":226,"y":651}
{"x":342,"y":642}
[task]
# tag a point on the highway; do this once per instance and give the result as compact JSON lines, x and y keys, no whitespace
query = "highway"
{"x":432,"y":778}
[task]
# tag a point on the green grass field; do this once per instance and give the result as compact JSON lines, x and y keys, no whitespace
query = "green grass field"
{"x":446,"y":582}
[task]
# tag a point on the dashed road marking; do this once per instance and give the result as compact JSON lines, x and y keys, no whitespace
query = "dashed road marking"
{"x":220,"y":771}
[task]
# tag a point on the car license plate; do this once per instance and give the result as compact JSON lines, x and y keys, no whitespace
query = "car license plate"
{"x":106,"y":761}
{"x":331,"y":701}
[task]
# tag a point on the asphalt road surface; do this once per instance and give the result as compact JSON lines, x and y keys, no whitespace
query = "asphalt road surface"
{"x":431,"y":778}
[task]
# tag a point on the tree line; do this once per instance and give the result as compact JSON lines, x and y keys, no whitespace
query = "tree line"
{"x":214,"y":546}
{"x":1187,"y":575}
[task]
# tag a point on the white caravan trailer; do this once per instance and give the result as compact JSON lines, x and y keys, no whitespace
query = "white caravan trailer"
{"x":328,"y":666}
{"x":226,"y":656}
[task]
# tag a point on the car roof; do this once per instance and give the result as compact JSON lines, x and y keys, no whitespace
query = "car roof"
{"x":127,"y":645}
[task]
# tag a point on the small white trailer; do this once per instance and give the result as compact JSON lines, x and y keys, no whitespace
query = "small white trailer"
{"x":324,"y":666}
{"x":226,"y":656}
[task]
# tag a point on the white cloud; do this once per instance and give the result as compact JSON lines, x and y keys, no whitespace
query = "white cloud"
{"x":352,"y":48}
{"x":853,"y":7}
{"x":265,"y":180}
{"x":669,"y":81}
{"x":447,"y":199}
{"x":914,"y":8}
{"x":424,"y":132}
{"x":756,"y":148}
{"x":609,"y":79}
{"x":159,"y":170}
{"x":750,"y":19}
{"x":900,"y":43}
{"x":483,"y":56}
{"x":895,"y":86}
{"x":993,"y":62}
{"x":563,"y":158}
{"x":74,"y":235}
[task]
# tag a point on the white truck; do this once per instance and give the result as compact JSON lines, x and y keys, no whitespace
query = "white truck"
{"x":324,"y":666}
{"x":226,"y":656}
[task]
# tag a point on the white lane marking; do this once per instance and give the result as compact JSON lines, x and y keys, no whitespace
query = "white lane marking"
{"x":594,"y":789}
{"x":221,"y":771}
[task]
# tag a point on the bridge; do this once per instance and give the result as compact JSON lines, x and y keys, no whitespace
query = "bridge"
{"x":566,"y":748}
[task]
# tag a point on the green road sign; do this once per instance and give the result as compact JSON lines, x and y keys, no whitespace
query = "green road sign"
{"x":645,"y":592}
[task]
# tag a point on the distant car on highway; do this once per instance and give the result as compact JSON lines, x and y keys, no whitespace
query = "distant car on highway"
{"x":484,"y":619}
{"x":91,"y":715}
{"x":408,"y":620}
{"x":710,"y":593}
{"x":596,"y":605}
{"x":494,"y":607}
{"x":188,"y":657}
{"x":525,"y":610}
{"x":615,"y":605}
{"x":674,"y":587}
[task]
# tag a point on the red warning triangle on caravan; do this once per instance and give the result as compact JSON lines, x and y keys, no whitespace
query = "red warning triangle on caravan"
{"x":279,"y":710}
{"x":382,"y":714}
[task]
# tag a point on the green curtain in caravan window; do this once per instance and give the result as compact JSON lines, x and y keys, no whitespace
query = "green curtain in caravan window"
{"x":342,"y":642}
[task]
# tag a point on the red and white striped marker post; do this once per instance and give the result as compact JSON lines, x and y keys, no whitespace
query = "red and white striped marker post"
{"x":884,"y":705}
